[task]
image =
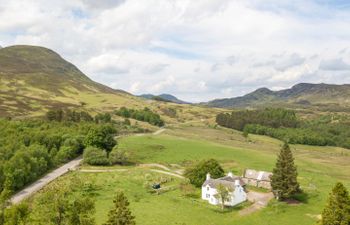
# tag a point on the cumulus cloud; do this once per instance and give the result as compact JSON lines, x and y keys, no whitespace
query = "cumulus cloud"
{"x":197,"y":50}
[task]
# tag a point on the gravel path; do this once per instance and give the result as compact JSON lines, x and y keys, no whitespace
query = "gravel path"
{"x":159,"y":131}
{"x":168,"y":173}
{"x":39,"y":184}
{"x":101,"y":171}
{"x":260,"y":200}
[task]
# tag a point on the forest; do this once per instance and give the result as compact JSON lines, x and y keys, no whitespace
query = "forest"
{"x":145,"y":115}
{"x":29,"y":148}
{"x":283,"y":124}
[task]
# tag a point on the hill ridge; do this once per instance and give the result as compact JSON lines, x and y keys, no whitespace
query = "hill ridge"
{"x":301,"y":94}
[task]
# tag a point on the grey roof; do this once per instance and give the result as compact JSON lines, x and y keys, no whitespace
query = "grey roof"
{"x":226,"y":181}
{"x":257,"y":175}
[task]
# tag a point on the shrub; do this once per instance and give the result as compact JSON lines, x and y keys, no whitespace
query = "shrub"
{"x":188,"y":190}
{"x":64,"y":154}
{"x":118,"y":156}
{"x":95,"y":156}
{"x":197,"y":173}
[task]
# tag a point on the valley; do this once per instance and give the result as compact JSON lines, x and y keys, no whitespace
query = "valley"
{"x":319,"y":169}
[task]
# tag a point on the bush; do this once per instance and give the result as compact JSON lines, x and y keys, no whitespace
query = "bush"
{"x":118,"y":156}
{"x":197,"y":173}
{"x":188,"y":190}
{"x":64,"y":154}
{"x":76,"y":143}
{"x":95,"y":156}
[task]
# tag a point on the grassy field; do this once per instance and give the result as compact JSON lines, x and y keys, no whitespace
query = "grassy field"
{"x":319,"y":169}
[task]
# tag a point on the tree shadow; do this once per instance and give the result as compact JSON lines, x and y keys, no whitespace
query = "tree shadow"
{"x":232,"y":209}
{"x":299,"y":198}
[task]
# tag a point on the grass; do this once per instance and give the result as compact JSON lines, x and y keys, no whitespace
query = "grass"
{"x":319,"y":168}
{"x":35,"y":79}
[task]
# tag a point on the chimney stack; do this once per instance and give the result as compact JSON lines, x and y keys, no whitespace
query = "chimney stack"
{"x":237,"y":183}
{"x":230,"y":174}
{"x":208,"y":176}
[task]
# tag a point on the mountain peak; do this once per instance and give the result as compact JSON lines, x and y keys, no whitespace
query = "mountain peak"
{"x":314,"y":94}
{"x":166,"y":97}
{"x":263,"y":90}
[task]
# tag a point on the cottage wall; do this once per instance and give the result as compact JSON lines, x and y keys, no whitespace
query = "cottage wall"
{"x":237,"y":196}
{"x":208,"y":194}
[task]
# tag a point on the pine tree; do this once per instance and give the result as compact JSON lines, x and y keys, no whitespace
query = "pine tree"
{"x":120,"y":214}
{"x":337,"y":211}
{"x":284,"y":179}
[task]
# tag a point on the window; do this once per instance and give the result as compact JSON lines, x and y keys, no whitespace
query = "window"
{"x":207,"y":195}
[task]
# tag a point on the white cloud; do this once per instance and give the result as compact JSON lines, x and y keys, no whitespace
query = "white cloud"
{"x":334,"y":65}
{"x":197,"y":50}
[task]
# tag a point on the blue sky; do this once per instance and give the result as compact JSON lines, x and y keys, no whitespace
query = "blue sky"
{"x":196,"y":50}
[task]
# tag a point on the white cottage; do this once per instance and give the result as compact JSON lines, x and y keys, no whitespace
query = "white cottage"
{"x":234,"y":183}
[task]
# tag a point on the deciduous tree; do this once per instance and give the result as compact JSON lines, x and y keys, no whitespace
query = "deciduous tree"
{"x":223,"y":195}
{"x":197,"y":173}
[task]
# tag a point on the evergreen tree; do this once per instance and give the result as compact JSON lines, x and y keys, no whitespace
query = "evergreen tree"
{"x":284,"y":179}
{"x":337,"y":211}
{"x":120,"y":214}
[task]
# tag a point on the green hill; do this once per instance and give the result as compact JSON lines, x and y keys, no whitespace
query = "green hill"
{"x":164,"y":97}
{"x":34,"y":79}
{"x":303,"y":95}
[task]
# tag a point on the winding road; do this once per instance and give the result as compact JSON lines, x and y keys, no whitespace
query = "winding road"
{"x":42,"y":182}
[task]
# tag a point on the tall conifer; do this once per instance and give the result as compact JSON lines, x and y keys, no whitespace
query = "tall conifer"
{"x":337,"y":211}
{"x":284,"y":179}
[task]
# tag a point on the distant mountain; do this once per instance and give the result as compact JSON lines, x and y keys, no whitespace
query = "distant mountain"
{"x":300,"y":95}
{"x":164,"y":97}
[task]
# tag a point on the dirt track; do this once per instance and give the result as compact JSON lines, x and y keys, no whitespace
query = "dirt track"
{"x":260,"y":200}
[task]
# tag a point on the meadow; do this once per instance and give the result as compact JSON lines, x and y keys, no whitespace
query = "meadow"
{"x":319,"y":168}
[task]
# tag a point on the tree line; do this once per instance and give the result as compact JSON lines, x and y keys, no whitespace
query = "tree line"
{"x":61,"y":115}
{"x":284,"y":125}
{"x":145,"y":115}
{"x":29,"y":148}
{"x":271,"y":117}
